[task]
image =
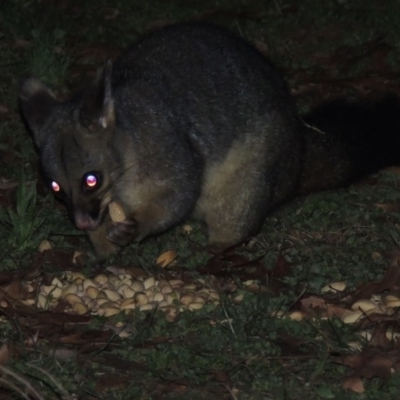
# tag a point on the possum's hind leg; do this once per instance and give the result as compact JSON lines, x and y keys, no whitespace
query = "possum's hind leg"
{"x":234,"y":199}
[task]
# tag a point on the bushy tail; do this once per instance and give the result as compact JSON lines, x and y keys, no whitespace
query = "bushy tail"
{"x":344,"y":141}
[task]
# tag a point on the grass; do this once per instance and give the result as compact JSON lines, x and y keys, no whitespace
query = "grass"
{"x":235,"y":351}
{"x":23,"y":223}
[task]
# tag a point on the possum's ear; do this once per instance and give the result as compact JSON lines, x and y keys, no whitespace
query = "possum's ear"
{"x":36,"y":103}
{"x":97,"y":109}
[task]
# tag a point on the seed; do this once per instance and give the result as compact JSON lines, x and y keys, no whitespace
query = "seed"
{"x":167,"y":289}
{"x":352,"y":317}
{"x":102,"y":295}
{"x":93,"y":305}
{"x":214,"y":295}
{"x":163,"y":282}
{"x":391,"y":334}
{"x":121,"y":288}
{"x":72,"y":298}
{"x":141,"y":299}
{"x":277,"y":314}
{"x":137,"y":286}
{"x":194,"y":306}
{"x":86,"y":299}
{"x":114,"y":280}
{"x":355,"y":346}
{"x":176,"y":283}
{"x":296,"y":316}
{"x":56,"y":293}
{"x":365,"y":306}
{"x":199,"y":299}
{"x":45,"y":245}
{"x":166,"y":258}
{"x":392,"y":301}
{"x":158,"y":297}
{"x":42,"y":301}
{"x":238,"y":299}
{"x":87,"y":283}
{"x":73,"y":275}
{"x":187,"y":299}
{"x":101,"y":279}
{"x":28,"y":287}
{"x":203,"y":295}
{"x":72,"y":288}
{"x":109,"y":303}
{"x":112,"y":295}
{"x":145,"y":307}
{"x":75,"y":258}
{"x":334,"y":287}
{"x":128,"y":292}
{"x":28,"y":302}
{"x":149,"y":282}
{"x":80,"y":308}
{"x":116,"y":212}
{"x":189,"y":286}
{"x":149,"y":293}
{"x":171,"y":314}
{"x":123,"y":333}
{"x":128,"y":304}
{"x":47,"y":289}
{"x":78,"y":281}
{"x":366,"y":335}
{"x":163,"y":304}
{"x":102,"y":300}
{"x":108,"y":312}
{"x":57,"y":282}
{"x":171,"y":297}
{"x":186,"y":229}
{"x":125,"y":281}
{"x":92,"y":292}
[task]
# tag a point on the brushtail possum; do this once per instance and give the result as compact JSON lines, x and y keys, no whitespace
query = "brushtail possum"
{"x":194,"y":120}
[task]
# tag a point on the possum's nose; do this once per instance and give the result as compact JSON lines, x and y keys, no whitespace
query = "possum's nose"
{"x":84,"y":221}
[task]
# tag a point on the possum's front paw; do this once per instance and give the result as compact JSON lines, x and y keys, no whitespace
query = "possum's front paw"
{"x":122,"y":233}
{"x":102,"y":246}
{"x":121,"y":230}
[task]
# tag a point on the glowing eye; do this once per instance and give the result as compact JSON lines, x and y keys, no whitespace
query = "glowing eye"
{"x":91,"y":180}
{"x":55,"y":186}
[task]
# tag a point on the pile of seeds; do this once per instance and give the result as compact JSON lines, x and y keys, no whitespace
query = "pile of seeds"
{"x":361,"y":308}
{"x":357,"y":312}
{"x":108,"y":295}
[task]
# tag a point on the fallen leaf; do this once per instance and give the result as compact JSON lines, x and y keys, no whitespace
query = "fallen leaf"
{"x":7,"y":184}
{"x":63,"y":354}
{"x":4,"y":109}
{"x":390,"y":281}
{"x":88,"y":337}
{"x":22,"y":44}
{"x":15,"y":290}
{"x":4,"y":354}
{"x":222,"y":377}
{"x":353,"y":383}
{"x":313,"y":302}
{"x":113,"y":382}
{"x":388,"y":207}
{"x":370,"y":366}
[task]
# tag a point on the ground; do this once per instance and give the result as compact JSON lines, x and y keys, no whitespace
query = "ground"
{"x":274,"y":332}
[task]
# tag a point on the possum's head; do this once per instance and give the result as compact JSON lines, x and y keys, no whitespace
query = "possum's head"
{"x":74,"y":142}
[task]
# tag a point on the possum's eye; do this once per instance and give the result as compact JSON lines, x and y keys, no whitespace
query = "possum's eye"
{"x":55,"y":186}
{"x":91,"y":181}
